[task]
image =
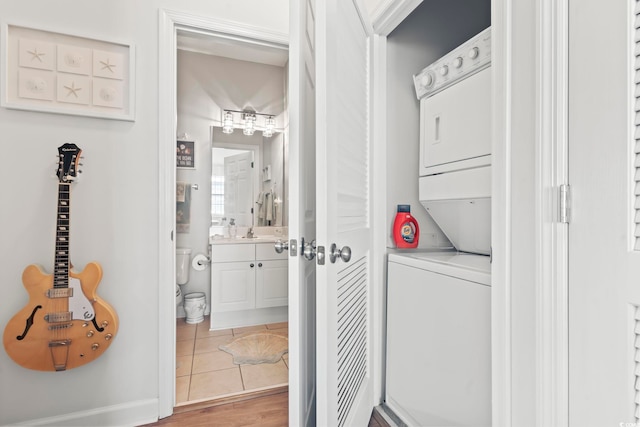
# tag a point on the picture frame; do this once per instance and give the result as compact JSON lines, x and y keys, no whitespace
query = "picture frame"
{"x":185,"y":154}
{"x":53,"y":72}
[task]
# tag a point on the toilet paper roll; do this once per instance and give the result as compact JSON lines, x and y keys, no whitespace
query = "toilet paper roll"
{"x":200,"y":262}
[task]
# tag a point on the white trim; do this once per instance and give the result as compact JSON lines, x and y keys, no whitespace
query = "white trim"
{"x":390,"y":13}
{"x":379,"y":212}
{"x":138,"y":412}
{"x":501,"y":360}
{"x":166,"y":211}
{"x":552,"y":281}
{"x":169,"y":22}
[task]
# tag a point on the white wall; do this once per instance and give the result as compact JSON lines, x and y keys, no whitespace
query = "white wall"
{"x":114,"y":211}
{"x":206,"y":85}
{"x":434,"y":28}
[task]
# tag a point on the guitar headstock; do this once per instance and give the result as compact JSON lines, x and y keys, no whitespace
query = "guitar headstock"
{"x":68,"y":158}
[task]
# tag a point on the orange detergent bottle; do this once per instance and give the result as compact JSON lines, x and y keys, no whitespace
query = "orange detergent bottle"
{"x":405,"y":228}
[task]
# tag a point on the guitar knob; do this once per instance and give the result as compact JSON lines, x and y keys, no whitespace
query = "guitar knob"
{"x":104,"y":323}
{"x":90,"y":334}
{"x":85,"y":324}
{"x":108,"y":337}
{"x":95,"y":346}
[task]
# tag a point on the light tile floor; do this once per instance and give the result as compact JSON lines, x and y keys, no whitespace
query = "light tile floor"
{"x":205,"y":372}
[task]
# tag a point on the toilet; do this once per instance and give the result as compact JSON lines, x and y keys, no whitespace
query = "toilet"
{"x":194,"y":303}
{"x":183,"y":264}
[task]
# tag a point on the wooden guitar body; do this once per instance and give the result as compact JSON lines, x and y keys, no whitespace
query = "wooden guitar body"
{"x":42,"y":336}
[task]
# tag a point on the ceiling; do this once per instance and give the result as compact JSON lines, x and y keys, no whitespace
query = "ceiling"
{"x":243,"y":50}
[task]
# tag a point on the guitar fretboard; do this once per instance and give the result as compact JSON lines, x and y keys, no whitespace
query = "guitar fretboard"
{"x":61,"y":266}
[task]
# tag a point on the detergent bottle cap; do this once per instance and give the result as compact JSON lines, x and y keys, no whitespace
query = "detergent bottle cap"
{"x":404,"y":208}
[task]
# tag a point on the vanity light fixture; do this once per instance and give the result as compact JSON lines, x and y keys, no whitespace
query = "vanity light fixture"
{"x":249,"y":122}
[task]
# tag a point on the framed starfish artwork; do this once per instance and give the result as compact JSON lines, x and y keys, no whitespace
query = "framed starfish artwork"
{"x":52,"y":72}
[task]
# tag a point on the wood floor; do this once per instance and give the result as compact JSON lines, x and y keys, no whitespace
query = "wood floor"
{"x":268,"y":411}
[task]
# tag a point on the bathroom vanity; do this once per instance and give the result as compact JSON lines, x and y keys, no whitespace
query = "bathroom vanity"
{"x":249,"y":283}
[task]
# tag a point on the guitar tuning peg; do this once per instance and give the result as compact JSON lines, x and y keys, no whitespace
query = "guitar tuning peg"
{"x":80,"y":164}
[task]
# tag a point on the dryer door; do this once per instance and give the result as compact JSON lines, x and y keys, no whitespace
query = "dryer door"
{"x":455,"y":125}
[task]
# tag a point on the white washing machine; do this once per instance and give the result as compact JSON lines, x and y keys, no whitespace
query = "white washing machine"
{"x":439,"y":339}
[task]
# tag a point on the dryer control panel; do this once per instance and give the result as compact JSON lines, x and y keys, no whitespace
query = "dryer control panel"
{"x":470,"y":57}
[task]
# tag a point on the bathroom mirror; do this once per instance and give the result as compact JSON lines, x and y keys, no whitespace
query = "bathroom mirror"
{"x":248,"y":179}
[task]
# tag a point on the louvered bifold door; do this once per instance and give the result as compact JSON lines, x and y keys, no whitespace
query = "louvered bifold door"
{"x":343,"y":175}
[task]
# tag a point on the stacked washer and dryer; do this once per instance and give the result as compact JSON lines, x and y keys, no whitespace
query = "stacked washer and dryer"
{"x":438,"y":303}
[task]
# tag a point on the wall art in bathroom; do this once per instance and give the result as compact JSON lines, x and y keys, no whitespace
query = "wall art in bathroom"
{"x":185,"y":154}
{"x":183,"y":207}
{"x":53,"y":72}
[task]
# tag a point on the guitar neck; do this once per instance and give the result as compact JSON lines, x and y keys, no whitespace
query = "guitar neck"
{"x":61,"y":265}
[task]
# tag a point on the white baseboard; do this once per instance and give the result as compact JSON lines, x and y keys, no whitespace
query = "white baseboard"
{"x":126,"y":414}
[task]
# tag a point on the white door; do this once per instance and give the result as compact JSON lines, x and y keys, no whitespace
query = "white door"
{"x":604,"y":257}
{"x":238,"y":188}
{"x":302,"y":213}
{"x":344,"y":382}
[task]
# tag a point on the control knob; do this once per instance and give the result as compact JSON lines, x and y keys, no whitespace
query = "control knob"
{"x":457,"y":63}
{"x":426,"y":80}
{"x":474,"y":52}
{"x":444,"y":70}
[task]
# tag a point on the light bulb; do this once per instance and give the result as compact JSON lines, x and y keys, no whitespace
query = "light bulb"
{"x":227,"y":123}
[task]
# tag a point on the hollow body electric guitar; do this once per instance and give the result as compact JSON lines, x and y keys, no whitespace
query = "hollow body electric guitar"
{"x":65,"y":324}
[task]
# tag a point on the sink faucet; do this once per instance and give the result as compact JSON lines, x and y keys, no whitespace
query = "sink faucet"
{"x":250,"y":233}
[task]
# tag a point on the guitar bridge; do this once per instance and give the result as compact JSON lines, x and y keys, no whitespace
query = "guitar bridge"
{"x":64,"y":316}
{"x":60,"y":326}
{"x":60,"y":293}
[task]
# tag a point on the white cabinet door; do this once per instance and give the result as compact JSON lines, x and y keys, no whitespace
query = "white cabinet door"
{"x":233,"y":286}
{"x":272,"y":284}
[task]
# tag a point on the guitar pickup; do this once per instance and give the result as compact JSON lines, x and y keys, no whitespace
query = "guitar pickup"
{"x":60,"y":293}
{"x":58,"y":317}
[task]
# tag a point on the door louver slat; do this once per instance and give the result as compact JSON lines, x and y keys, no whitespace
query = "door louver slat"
{"x":636,"y":152}
{"x":352,"y":334}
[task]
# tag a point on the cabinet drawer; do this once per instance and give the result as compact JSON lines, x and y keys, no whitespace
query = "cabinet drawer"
{"x":232,"y":253}
{"x":267,"y":251}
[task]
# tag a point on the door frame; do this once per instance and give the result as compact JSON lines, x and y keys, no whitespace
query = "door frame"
{"x":170,"y":21}
{"x":552,"y":235}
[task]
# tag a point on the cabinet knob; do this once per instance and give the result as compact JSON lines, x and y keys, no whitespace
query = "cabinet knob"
{"x":251,"y":265}
{"x":259,"y":264}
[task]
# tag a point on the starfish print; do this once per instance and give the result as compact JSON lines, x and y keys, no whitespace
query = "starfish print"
{"x":73,"y":89}
{"x":107,"y":65}
{"x":35,"y":54}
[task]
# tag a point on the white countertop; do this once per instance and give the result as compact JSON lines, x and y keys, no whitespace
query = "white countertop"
{"x":243,"y":240}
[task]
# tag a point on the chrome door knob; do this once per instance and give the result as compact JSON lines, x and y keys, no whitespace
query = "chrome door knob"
{"x":309,"y":250}
{"x":281,"y":246}
{"x":344,"y":254}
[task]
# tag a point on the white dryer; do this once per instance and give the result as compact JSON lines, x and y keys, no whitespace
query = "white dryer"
{"x":439,"y":339}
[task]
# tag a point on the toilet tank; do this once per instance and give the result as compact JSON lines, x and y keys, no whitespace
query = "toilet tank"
{"x":183,"y":263}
